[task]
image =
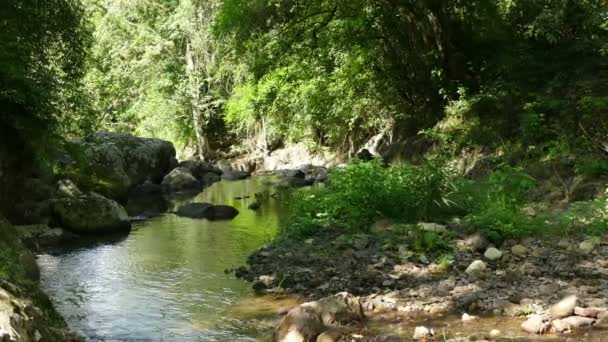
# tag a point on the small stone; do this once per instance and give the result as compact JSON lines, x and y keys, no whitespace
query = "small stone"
{"x":477,"y":267}
{"x":468,"y":318}
{"x":519,"y":250}
{"x":494,"y":333}
{"x":535,"y":324}
{"x":586,"y":312}
{"x":564,"y":308}
{"x":421,"y":333}
{"x":492,"y":254}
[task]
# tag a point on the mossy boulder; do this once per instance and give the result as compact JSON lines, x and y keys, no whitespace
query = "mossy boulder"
{"x":90,"y":213}
{"x":111,"y":163}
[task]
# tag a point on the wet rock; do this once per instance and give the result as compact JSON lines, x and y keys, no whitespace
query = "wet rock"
{"x":195,"y":210}
{"x":235,"y":175}
{"x":180,"y":179}
{"x":519,"y":250}
{"x":536,"y":324}
{"x":91,"y":213}
{"x":223,"y":212}
{"x":586,"y":312}
{"x":254,"y":206}
{"x":572,"y":323}
{"x":309,"y":320}
{"x":422,"y":333}
{"x":564,"y":308}
{"x":492,"y":254}
{"x":208,"y":211}
{"x":476,"y":268}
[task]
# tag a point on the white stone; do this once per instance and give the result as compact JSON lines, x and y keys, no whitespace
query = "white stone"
{"x":422,"y":333}
{"x":476,"y":267}
{"x":492,"y":254}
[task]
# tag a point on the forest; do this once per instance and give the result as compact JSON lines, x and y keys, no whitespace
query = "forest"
{"x":420,"y":127}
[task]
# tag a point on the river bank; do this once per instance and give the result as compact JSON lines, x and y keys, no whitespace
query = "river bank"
{"x":515,"y":279}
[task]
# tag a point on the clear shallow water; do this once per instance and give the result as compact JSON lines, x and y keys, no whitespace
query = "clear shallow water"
{"x":165,"y":281}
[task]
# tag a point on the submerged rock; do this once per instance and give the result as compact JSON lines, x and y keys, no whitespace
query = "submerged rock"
{"x":307,"y":321}
{"x":91,"y":213}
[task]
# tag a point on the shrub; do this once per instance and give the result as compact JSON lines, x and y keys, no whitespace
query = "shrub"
{"x":363,"y":191}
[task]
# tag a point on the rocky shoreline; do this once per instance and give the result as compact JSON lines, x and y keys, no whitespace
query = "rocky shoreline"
{"x":515,"y":279}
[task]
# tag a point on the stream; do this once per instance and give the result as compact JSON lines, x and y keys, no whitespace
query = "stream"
{"x":165,"y":281}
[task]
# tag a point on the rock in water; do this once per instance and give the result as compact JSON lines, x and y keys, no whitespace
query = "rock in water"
{"x":564,"y":308}
{"x":195,"y":210}
{"x":309,"y":320}
{"x":254,"y":206}
{"x":235,"y":175}
{"x":421,"y":333}
{"x":91,"y":213}
{"x":180,"y":179}
{"x":492,"y":254}
{"x":477,"y":267}
{"x":224,"y":212}
{"x":120,"y":161}
{"x":535,"y":324}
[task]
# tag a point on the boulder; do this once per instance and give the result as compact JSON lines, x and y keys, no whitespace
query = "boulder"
{"x":199,"y":168}
{"x":195,"y":210}
{"x":114,"y":162}
{"x":208,"y":211}
{"x":235,"y":175}
{"x":180,"y":180}
{"x":492,"y":254}
{"x":90,"y":213}
{"x":309,"y":320}
{"x":18,"y":262}
{"x":223,"y":212}
{"x":41,"y":235}
{"x":564,"y":308}
{"x":291,"y":173}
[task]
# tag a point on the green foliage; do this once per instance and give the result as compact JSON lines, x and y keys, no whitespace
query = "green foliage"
{"x":41,"y":62}
{"x":497,"y":209}
{"x":590,"y":217}
{"x":365,"y":191}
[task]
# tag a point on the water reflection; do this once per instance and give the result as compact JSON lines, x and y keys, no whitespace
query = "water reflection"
{"x":166,"y":281}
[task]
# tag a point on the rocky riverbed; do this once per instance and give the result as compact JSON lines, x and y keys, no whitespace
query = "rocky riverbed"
{"x":516,"y":278}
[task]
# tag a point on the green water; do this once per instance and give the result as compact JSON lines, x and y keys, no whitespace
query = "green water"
{"x":165,"y":281}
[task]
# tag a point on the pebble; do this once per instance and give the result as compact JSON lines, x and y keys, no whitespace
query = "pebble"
{"x":476,"y":267}
{"x":492,"y":254}
{"x":519,"y":250}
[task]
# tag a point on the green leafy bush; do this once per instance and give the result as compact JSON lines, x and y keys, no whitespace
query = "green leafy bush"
{"x":363,"y":191}
{"x":497,"y":209}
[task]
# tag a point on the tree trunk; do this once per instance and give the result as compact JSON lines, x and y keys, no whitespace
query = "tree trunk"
{"x":195,"y":98}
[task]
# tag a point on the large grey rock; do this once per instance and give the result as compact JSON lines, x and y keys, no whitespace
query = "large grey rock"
{"x":180,"y":179}
{"x":307,"y":321}
{"x":91,"y":213}
{"x":564,"y":308}
{"x":115,"y":162}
